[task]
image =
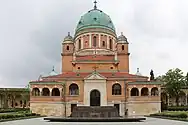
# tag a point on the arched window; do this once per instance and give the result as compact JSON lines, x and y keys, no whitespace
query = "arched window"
{"x":103,"y":43}
{"x":67,"y":47}
{"x":144,"y":91}
{"x":116,"y":89}
{"x":73,"y":89}
{"x":79,"y":44}
{"x":94,"y":41}
{"x":45,"y":92}
{"x":110,"y":43}
{"x":134,"y":92}
{"x":35,"y":92}
{"x":122,"y":47}
{"x":154,"y":91}
{"x":55,"y":92}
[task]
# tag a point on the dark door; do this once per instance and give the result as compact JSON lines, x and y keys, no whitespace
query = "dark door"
{"x":95,"y":99}
{"x":73,"y":106}
{"x":117,"y":106}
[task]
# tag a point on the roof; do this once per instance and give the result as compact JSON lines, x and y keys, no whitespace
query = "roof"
{"x":95,"y":18}
{"x":146,"y":82}
{"x":68,"y":75}
{"x":122,"y":38}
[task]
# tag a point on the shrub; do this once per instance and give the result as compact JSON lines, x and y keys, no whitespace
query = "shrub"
{"x":177,"y":108}
{"x":17,"y":115}
{"x":13,"y":110}
{"x":171,"y":114}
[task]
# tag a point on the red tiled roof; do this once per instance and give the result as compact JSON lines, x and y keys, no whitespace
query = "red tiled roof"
{"x":83,"y":75}
{"x":95,"y":58}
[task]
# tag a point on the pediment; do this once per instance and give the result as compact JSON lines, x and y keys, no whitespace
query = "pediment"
{"x":95,"y":76}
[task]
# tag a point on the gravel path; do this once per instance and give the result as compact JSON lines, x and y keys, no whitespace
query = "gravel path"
{"x":40,"y":121}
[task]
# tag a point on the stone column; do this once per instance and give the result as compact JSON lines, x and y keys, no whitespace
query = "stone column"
{"x":139,"y":89}
{"x":107,"y":42}
{"x":50,"y":91}
{"x":82,"y":42}
{"x":159,"y":92}
{"x":149,"y":91}
{"x":99,"y":40}
{"x":40,"y":89}
{"x":168,"y":101}
{"x":186,"y":95}
{"x":90,"y":39}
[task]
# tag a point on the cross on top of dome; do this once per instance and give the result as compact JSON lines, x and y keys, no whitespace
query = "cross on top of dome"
{"x":95,"y":4}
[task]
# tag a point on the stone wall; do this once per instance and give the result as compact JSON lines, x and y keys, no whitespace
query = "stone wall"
{"x":48,"y":109}
{"x":143,"y":108}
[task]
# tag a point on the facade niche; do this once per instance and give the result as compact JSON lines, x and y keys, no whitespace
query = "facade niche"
{"x":94,"y":41}
{"x":134,"y":92}
{"x":73,"y":89}
{"x":111,"y":44}
{"x":154,"y":91}
{"x":116,"y":89}
{"x":144,"y":91}
{"x":35,"y":92}
{"x":45,"y":92}
{"x":55,"y":92}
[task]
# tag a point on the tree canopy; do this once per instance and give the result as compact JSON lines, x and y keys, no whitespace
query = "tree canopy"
{"x":173,"y":80}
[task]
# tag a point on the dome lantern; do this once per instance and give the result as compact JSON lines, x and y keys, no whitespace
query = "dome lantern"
{"x":95,"y":18}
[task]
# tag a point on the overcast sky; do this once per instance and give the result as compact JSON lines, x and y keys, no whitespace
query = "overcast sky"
{"x":31,"y":32}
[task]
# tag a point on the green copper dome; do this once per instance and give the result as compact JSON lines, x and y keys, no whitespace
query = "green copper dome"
{"x":95,"y":19}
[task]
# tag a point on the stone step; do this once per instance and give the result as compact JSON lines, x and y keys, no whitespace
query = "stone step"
{"x":95,"y":111}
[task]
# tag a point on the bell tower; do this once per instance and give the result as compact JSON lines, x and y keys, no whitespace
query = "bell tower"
{"x":123,"y":53}
{"x":67,"y":53}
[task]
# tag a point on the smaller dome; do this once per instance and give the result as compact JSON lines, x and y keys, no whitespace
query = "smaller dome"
{"x":138,"y":72}
{"x":122,"y":38}
{"x":68,"y":37}
{"x":52,"y":73}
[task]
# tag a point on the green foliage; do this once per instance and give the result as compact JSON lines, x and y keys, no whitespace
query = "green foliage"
{"x":13,"y":110}
{"x":186,"y":78}
{"x":177,"y":108}
{"x":174,"y":81}
{"x":17,"y":115}
{"x":171,"y":114}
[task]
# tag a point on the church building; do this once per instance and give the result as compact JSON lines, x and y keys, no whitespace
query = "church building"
{"x":95,"y":72}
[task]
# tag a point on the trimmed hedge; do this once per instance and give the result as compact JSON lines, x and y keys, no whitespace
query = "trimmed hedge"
{"x":17,"y":115}
{"x":13,"y":110}
{"x":171,"y":115}
{"x":177,"y":108}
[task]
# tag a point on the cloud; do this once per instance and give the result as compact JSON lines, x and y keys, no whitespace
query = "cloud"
{"x":32,"y":31}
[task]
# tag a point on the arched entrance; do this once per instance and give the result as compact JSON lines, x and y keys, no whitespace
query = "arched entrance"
{"x":95,"y":98}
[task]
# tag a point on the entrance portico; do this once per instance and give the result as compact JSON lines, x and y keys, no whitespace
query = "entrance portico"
{"x":95,"y":89}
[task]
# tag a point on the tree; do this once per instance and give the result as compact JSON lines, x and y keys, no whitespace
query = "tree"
{"x":186,"y":79}
{"x":160,"y":78}
{"x":174,"y":80}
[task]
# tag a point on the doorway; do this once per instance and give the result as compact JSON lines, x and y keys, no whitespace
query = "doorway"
{"x":117,"y":107}
{"x":95,"y":99}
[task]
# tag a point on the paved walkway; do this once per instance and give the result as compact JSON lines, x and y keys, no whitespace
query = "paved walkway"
{"x":40,"y":121}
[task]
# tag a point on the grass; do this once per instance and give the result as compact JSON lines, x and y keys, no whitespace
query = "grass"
{"x":164,"y":115}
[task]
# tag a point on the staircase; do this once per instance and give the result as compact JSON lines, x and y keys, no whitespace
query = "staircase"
{"x":95,"y":112}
